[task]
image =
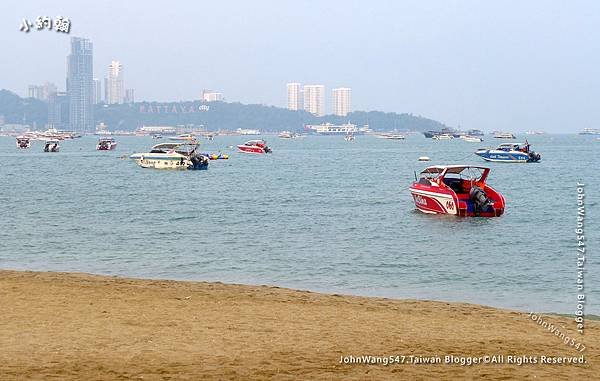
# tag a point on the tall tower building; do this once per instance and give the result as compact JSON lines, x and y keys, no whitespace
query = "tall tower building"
{"x":314,"y":99}
{"x":80,"y":85}
{"x":294,"y":102}
{"x":97,"y":91}
{"x":115,"y":90}
{"x":342,"y":101}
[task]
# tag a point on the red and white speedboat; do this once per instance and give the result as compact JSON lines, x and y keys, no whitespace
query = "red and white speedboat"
{"x":106,"y":144}
{"x":457,"y":189}
{"x":255,"y":146}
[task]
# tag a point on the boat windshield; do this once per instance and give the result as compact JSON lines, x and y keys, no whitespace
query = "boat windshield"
{"x":465,"y":173}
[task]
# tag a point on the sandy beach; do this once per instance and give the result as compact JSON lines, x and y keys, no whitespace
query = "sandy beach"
{"x":67,"y":326}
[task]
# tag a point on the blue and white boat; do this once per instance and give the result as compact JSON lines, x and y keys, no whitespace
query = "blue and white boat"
{"x":510,"y":153}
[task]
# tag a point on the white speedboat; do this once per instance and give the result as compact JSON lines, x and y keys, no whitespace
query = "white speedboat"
{"x":182,"y":156}
{"x":52,"y":145}
{"x":183,"y":137}
{"x":504,"y":135}
{"x":443,"y":137}
{"x":471,"y":139}
{"x":23,"y":142}
{"x":394,"y":137}
{"x":106,"y":144}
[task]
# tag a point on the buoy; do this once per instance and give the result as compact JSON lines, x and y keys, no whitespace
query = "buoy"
{"x":424,"y":158}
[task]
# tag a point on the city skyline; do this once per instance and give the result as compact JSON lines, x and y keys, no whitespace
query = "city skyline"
{"x":531,"y":66}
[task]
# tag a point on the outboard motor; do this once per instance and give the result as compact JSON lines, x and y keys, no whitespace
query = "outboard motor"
{"x":481,"y":200}
{"x":534,"y":157}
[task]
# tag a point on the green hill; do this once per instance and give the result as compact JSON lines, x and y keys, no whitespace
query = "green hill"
{"x":213,"y":115}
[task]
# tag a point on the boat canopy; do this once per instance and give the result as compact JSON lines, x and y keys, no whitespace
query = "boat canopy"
{"x":458,"y":171}
{"x":512,"y":145}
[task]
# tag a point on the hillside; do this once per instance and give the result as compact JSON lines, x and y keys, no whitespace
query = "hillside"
{"x":213,"y":116}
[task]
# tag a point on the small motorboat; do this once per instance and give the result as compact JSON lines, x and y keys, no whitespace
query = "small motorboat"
{"x":106,"y":144}
{"x":23,"y":142}
{"x":424,"y":158}
{"x":471,"y":139}
{"x":394,"y":137}
{"x":51,"y":145}
{"x":157,"y":136}
{"x":255,"y":146}
{"x":504,"y":135}
{"x":183,"y":137}
{"x":443,"y":137}
{"x":390,"y":136}
{"x":510,"y":153}
{"x":459,"y":190}
{"x":180,"y":156}
{"x":349,"y":137}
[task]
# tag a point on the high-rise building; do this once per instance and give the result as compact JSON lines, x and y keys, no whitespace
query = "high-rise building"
{"x":314,"y":99}
{"x":115,"y":89}
{"x":80,"y":85}
{"x":58,"y":111}
{"x":294,"y":101}
{"x":211,"y":96}
{"x":342,"y":101}
{"x":129,"y":96}
{"x":97,"y":91}
{"x":41,"y":92}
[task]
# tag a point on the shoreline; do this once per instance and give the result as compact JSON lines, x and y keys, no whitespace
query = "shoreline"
{"x":83,"y":326}
{"x":292,"y":287}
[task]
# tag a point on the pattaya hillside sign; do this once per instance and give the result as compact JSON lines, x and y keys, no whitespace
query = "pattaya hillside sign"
{"x":172,"y":108}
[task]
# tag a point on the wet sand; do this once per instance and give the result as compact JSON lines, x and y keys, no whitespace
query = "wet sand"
{"x":67,"y":326}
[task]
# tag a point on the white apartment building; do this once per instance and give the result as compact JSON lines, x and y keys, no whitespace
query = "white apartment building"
{"x":294,"y":100}
{"x":342,"y":101}
{"x":114,"y":84}
{"x":314,"y":99}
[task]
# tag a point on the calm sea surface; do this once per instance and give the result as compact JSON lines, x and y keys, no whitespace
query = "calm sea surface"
{"x":320,"y":213}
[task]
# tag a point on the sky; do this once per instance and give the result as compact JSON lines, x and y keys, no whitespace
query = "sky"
{"x":490,"y":65}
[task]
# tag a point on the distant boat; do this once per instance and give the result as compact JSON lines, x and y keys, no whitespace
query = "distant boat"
{"x":255,"y":146}
{"x":432,"y":133}
{"x":289,"y":135}
{"x":504,"y":135}
{"x":183,"y":137}
{"x":471,"y":139}
{"x":23,"y":142}
{"x":51,"y":145}
{"x":157,"y":136}
{"x":535,"y":133}
{"x":443,"y":137}
{"x":510,"y":153}
{"x":349,"y":137}
{"x":181,"y":156}
{"x":246,"y":131}
{"x":106,"y":144}
{"x":590,"y":131}
{"x":394,"y":137}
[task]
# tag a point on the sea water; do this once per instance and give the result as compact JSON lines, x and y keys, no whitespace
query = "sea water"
{"x":319,"y":213}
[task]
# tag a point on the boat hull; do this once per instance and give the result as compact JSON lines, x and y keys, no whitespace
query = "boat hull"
{"x":109,"y":147}
{"x":500,"y":156}
{"x":174,"y":162}
{"x":447,"y":202}
{"x":251,"y":149}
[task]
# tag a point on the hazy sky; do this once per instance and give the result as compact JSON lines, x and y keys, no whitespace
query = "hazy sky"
{"x":507,"y":65}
